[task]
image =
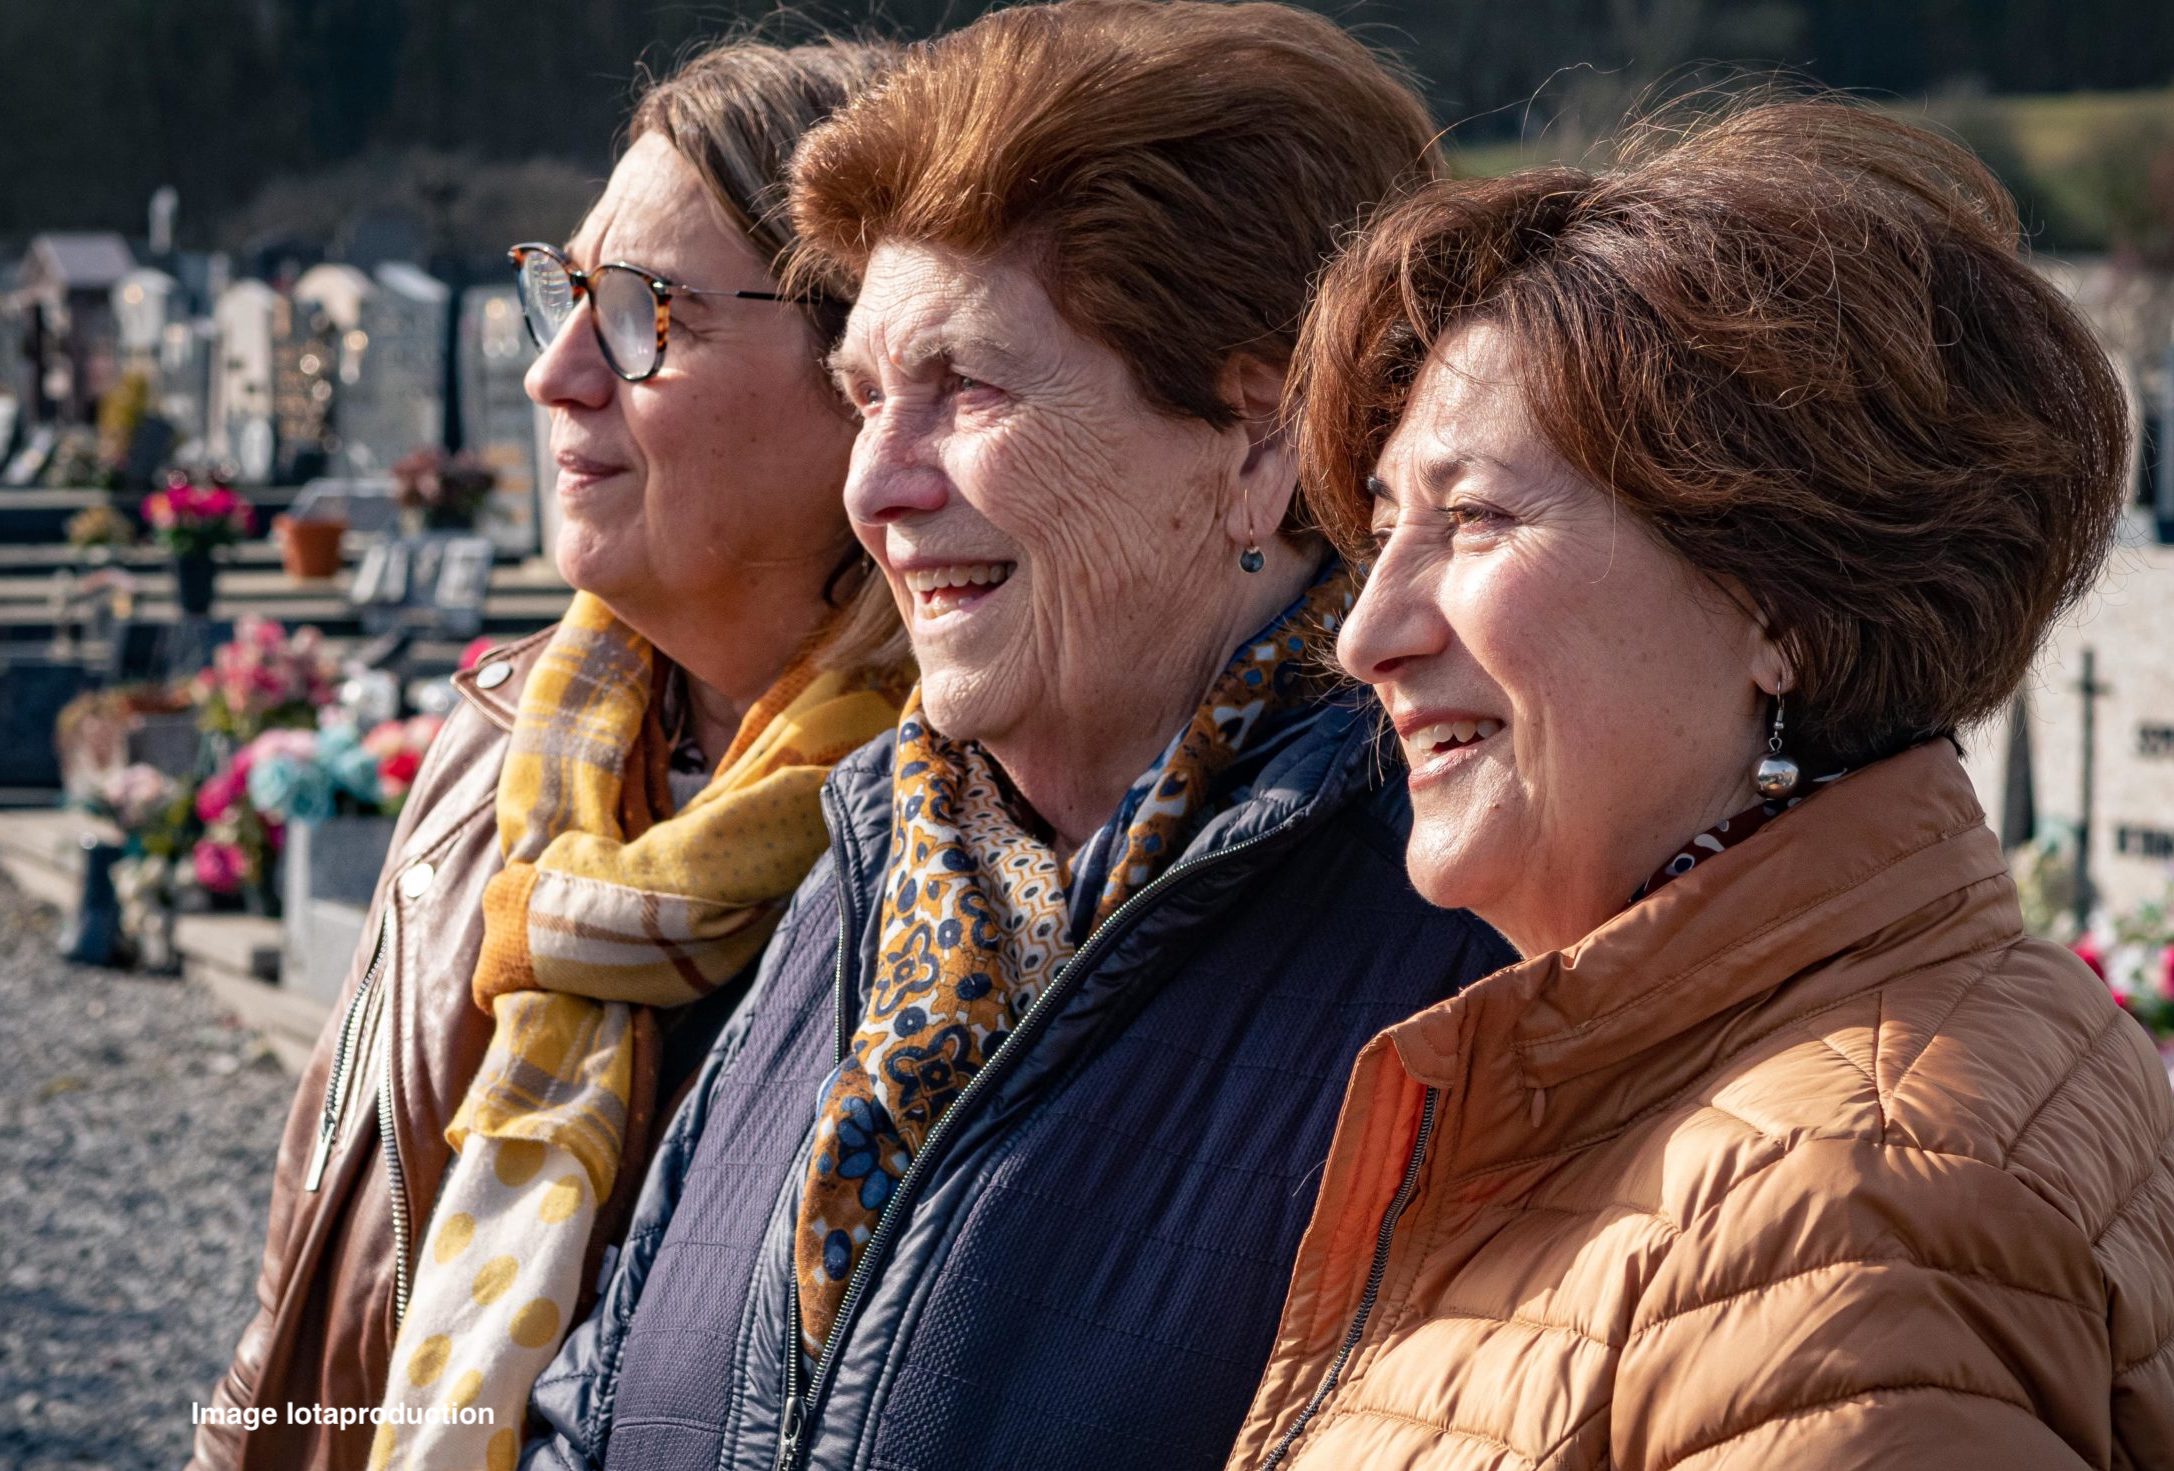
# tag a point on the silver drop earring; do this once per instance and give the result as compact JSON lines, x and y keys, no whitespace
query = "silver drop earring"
{"x":1777,"y":776}
{"x":1252,"y":559}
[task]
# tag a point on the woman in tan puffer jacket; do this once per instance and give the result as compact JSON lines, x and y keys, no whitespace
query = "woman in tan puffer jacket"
{"x":1709,"y":496}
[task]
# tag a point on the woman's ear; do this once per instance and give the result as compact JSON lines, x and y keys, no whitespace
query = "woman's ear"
{"x":1268,"y":473}
{"x":1770,"y":669}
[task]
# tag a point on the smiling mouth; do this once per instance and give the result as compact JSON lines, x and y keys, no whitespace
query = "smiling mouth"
{"x":576,"y":471}
{"x":1430,"y":746}
{"x":940,"y":590}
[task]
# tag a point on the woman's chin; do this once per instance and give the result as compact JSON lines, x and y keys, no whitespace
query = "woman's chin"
{"x":1446,"y":865}
{"x":590,"y":563}
{"x":966,"y":702}
{"x":1444,"y":888}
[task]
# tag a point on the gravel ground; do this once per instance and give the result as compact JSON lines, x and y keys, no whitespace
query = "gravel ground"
{"x":137,"y":1129}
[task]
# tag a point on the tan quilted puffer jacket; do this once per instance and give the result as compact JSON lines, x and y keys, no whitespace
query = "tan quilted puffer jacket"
{"x":1810,"y":1160}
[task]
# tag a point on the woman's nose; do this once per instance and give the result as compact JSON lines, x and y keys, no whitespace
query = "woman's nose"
{"x":894,"y":474}
{"x":1396,"y":622}
{"x":571,"y":370}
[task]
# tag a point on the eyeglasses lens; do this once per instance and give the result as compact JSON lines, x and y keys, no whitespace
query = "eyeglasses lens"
{"x":626,"y":318}
{"x":547,"y":296}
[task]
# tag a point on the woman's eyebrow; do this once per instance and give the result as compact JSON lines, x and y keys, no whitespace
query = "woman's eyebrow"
{"x":923,"y":352}
{"x":1446,"y":467}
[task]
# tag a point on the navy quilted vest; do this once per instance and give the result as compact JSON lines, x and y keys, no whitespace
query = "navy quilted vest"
{"x":1089,"y":1271}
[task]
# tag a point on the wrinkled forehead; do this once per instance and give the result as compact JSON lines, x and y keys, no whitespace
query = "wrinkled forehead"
{"x":921,"y":302}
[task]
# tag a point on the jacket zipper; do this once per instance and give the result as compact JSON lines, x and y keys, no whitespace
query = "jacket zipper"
{"x":328,"y":1121}
{"x":789,"y":1425}
{"x":396,"y":1179}
{"x":1374,"y":1275}
{"x":796,"y":1401}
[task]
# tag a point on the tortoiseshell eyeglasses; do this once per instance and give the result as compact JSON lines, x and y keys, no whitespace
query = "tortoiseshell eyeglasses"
{"x":630,"y":308}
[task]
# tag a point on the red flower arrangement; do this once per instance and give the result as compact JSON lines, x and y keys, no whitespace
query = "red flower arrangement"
{"x":191,"y":520}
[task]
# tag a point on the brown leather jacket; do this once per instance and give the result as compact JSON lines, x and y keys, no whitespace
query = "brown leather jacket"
{"x":365,"y":1148}
{"x":1810,"y":1160}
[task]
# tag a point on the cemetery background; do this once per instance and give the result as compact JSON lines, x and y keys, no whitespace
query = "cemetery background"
{"x":268,"y":249}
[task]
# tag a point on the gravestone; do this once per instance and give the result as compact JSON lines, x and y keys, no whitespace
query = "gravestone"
{"x":498,"y":422}
{"x":144,"y":301}
{"x":187,"y":350}
{"x":331,"y":870}
{"x":396,"y":401}
{"x":434,"y":583}
{"x":242,"y":379}
{"x":33,"y":687}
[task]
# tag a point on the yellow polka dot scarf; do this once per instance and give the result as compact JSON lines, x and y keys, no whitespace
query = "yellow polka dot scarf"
{"x":976,"y":923}
{"x":608,"y":902}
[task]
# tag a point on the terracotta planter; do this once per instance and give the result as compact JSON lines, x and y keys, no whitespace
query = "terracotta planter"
{"x":309,"y":549}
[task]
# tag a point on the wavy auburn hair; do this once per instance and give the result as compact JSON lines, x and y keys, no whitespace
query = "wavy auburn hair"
{"x":1176,"y":171}
{"x":1798,"y":340}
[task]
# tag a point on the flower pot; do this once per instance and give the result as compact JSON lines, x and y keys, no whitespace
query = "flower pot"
{"x":195,"y":577}
{"x":309,"y":549}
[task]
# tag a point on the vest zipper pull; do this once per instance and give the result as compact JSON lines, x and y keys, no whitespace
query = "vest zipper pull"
{"x":789,"y":1442}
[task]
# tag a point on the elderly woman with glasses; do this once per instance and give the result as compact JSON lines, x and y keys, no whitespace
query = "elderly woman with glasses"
{"x":1009,"y":1160}
{"x":1707,"y":497}
{"x":602,"y":838}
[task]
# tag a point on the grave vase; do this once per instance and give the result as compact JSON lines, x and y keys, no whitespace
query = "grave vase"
{"x":195,"y":577}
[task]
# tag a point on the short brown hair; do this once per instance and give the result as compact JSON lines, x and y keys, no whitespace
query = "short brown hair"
{"x":735,"y":111}
{"x":1797,"y":339}
{"x":1178,"y":171}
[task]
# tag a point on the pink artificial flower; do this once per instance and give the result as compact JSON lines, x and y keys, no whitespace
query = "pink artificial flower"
{"x":217,"y":796}
{"x":2166,"y":973}
{"x":2087,"y":950}
{"x":294,"y":744}
{"x":220,"y":867}
{"x":471,"y":656}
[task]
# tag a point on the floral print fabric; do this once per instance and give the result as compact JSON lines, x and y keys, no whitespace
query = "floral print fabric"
{"x":1727,"y":833}
{"x":977,"y":923}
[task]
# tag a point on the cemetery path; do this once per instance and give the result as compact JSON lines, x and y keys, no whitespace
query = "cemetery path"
{"x":137,"y":1131}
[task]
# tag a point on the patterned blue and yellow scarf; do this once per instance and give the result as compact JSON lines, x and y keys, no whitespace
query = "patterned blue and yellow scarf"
{"x":978,"y":918}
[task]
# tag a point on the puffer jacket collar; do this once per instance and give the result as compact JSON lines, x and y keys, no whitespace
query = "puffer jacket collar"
{"x":1564,"y":1048}
{"x":1309,"y":769}
{"x":1313,"y":765}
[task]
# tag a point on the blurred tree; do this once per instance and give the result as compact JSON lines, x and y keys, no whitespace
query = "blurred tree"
{"x":107,"y":99}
